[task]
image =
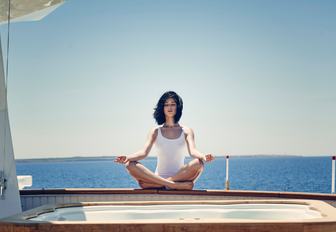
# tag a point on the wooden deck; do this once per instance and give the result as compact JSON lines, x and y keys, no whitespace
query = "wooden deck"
{"x":35,"y":198}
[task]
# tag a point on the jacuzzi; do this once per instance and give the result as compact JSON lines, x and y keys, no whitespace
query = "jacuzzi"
{"x":219,"y":215}
{"x":202,"y":212}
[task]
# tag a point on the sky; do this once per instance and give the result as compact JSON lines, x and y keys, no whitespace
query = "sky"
{"x":256,"y":77}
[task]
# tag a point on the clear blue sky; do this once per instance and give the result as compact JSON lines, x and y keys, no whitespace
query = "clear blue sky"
{"x":256,"y":77}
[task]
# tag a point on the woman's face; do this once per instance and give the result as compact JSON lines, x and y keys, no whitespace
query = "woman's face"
{"x":170,"y":107}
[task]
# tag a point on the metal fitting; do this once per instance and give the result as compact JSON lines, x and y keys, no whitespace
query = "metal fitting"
{"x":2,"y":184}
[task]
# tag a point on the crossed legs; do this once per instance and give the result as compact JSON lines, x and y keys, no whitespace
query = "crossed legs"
{"x":184,"y":178}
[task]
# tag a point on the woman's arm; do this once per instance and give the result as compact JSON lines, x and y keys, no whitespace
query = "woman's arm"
{"x":190,"y":138}
{"x":143,"y":153}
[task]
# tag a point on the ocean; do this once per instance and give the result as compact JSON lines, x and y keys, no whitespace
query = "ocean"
{"x":262,"y":173}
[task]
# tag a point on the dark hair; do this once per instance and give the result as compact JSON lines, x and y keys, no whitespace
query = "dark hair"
{"x":158,"y":111}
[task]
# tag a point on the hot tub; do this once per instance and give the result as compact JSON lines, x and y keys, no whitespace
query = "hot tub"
{"x":202,"y":212}
{"x":228,"y":215}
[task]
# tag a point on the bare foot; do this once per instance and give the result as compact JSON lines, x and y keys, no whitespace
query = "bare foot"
{"x":186,"y":185}
{"x":145,"y":185}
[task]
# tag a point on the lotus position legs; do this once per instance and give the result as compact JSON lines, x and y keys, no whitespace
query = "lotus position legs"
{"x":184,"y":179}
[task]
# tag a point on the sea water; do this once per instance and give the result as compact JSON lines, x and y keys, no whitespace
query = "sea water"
{"x":263,"y":173}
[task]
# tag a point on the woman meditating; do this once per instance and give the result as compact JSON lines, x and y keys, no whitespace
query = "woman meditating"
{"x":170,"y":140}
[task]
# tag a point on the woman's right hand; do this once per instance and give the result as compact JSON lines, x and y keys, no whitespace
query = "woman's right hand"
{"x":121,"y":159}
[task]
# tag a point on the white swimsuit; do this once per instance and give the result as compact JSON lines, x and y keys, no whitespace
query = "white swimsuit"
{"x":170,"y":153}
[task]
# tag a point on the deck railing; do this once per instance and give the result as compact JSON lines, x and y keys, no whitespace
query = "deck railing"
{"x":333,"y":175}
{"x":333,"y":158}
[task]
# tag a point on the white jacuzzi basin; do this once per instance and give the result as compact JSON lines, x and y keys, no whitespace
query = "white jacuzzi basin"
{"x":181,"y":212}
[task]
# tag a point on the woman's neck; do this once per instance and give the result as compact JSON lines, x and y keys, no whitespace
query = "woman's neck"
{"x":170,"y":123}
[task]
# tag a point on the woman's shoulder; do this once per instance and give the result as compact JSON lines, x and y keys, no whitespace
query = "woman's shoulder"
{"x":186,"y":130}
{"x":154,"y":131}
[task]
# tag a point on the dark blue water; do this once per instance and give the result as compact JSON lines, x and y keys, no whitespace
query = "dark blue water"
{"x":295,"y":174}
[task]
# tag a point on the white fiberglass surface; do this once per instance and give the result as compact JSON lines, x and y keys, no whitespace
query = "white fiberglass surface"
{"x":181,"y":212}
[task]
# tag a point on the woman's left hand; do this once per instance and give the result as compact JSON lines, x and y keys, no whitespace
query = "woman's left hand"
{"x":209,"y":158}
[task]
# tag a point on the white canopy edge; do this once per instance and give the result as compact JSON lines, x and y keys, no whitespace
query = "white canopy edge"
{"x":27,"y":10}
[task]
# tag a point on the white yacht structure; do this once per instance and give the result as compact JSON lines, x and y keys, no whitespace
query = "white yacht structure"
{"x":19,"y":11}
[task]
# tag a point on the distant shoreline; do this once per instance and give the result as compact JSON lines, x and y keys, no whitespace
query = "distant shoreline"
{"x":111,"y":158}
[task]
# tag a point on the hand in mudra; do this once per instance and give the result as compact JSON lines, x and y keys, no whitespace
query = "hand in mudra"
{"x":209,"y":158}
{"x":121,"y":159}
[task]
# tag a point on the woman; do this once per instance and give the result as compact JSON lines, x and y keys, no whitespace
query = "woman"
{"x":170,"y":139}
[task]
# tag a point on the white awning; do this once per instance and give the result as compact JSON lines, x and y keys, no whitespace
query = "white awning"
{"x":27,"y":10}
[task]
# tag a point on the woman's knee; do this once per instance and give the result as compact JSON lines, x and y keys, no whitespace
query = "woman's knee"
{"x":198,"y":164}
{"x":130,"y":165}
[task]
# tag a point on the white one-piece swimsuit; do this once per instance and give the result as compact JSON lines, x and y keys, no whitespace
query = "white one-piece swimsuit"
{"x":170,"y":153}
